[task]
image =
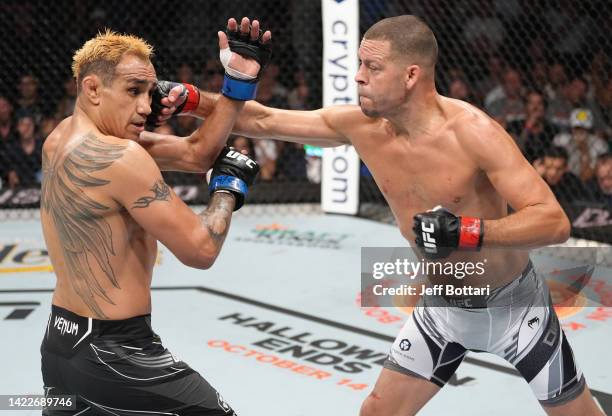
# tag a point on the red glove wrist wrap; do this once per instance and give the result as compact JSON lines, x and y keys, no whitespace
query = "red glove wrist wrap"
{"x":471,"y":233}
{"x":193,"y":98}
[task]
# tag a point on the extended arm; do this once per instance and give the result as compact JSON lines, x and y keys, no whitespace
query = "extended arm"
{"x":243,"y":63}
{"x":324,"y":127}
{"x":321,"y":127}
{"x":196,"y":152}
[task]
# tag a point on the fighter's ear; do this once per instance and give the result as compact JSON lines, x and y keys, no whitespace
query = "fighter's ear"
{"x":91,"y":88}
{"x":411,"y":76}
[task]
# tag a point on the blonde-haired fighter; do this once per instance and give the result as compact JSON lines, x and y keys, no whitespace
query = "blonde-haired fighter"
{"x":104,"y":207}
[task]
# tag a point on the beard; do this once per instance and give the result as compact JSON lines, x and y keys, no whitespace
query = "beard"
{"x":369,"y":112}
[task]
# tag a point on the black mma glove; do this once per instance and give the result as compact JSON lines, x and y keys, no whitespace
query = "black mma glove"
{"x":190,"y":92}
{"x":237,"y":85}
{"x":233,"y":172}
{"x":439,"y":232}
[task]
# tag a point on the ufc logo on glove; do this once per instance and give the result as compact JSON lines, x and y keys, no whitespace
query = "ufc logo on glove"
{"x":232,"y":154}
{"x":439,"y":232}
{"x":429,"y":242}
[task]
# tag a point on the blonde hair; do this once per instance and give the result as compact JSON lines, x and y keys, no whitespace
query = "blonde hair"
{"x":101,"y":54}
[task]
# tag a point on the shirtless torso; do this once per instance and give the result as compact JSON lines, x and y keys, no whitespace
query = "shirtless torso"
{"x":425,"y":150}
{"x":418,"y":173}
{"x":98,"y":250}
{"x":104,"y":206}
{"x":460,"y":159}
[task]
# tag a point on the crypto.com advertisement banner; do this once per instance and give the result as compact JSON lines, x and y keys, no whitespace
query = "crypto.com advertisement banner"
{"x":340,"y":178}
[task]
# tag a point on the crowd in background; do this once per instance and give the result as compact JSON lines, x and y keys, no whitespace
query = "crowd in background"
{"x":561,"y":123}
{"x":545,"y":77}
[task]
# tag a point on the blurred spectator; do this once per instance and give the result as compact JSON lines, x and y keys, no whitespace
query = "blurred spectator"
{"x":483,"y":31}
{"x":601,"y":65}
{"x":564,"y":184}
{"x":213,"y":65}
{"x":266,"y":96}
{"x":577,"y":92}
{"x":509,"y":9}
{"x":601,"y":185}
{"x":8,"y":135}
{"x":242,"y":144}
{"x":29,"y":100}
{"x":212,"y":77}
{"x":559,"y":107}
{"x":602,"y":105}
{"x":271,"y":92}
{"x":300,"y":94}
{"x":214,"y":82}
{"x":25,"y":155}
{"x":601,"y":78}
{"x":184,"y":74}
{"x":493,"y":80}
{"x":557,"y":81}
{"x":97,"y":22}
{"x":65,"y":107}
{"x":47,"y":126}
{"x":7,"y":125}
{"x":291,"y":161}
{"x":4,"y":165}
{"x":510,"y":106}
{"x":460,"y":90}
{"x":569,"y":25}
{"x":452,"y":73}
{"x":534,"y":134}
{"x":265,"y":155}
{"x":582,"y":146}
{"x":575,"y":96}
{"x":24,"y":28}
{"x":537,"y":52}
{"x":538,"y":76}
{"x":281,"y":160}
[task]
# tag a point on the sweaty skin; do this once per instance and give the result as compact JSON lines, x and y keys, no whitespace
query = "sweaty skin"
{"x":423,"y":150}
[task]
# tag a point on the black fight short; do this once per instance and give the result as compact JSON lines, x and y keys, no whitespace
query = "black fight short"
{"x":120,"y":368}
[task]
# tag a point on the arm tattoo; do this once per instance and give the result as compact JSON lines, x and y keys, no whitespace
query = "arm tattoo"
{"x":82,"y":229}
{"x":161,"y":191}
{"x":218,"y":216}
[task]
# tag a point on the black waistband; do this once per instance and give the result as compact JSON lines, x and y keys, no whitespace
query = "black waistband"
{"x":66,"y":322}
{"x":68,"y":333}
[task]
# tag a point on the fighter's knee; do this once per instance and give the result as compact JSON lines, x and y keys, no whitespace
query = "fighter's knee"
{"x":370,"y":407}
{"x":374,"y":405}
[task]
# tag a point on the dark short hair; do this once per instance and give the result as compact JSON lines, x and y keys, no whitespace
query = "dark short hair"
{"x":605,"y":157}
{"x":581,"y":79}
{"x":537,"y":92}
{"x":556,"y":152}
{"x":409,"y":36}
{"x":24,"y":113}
